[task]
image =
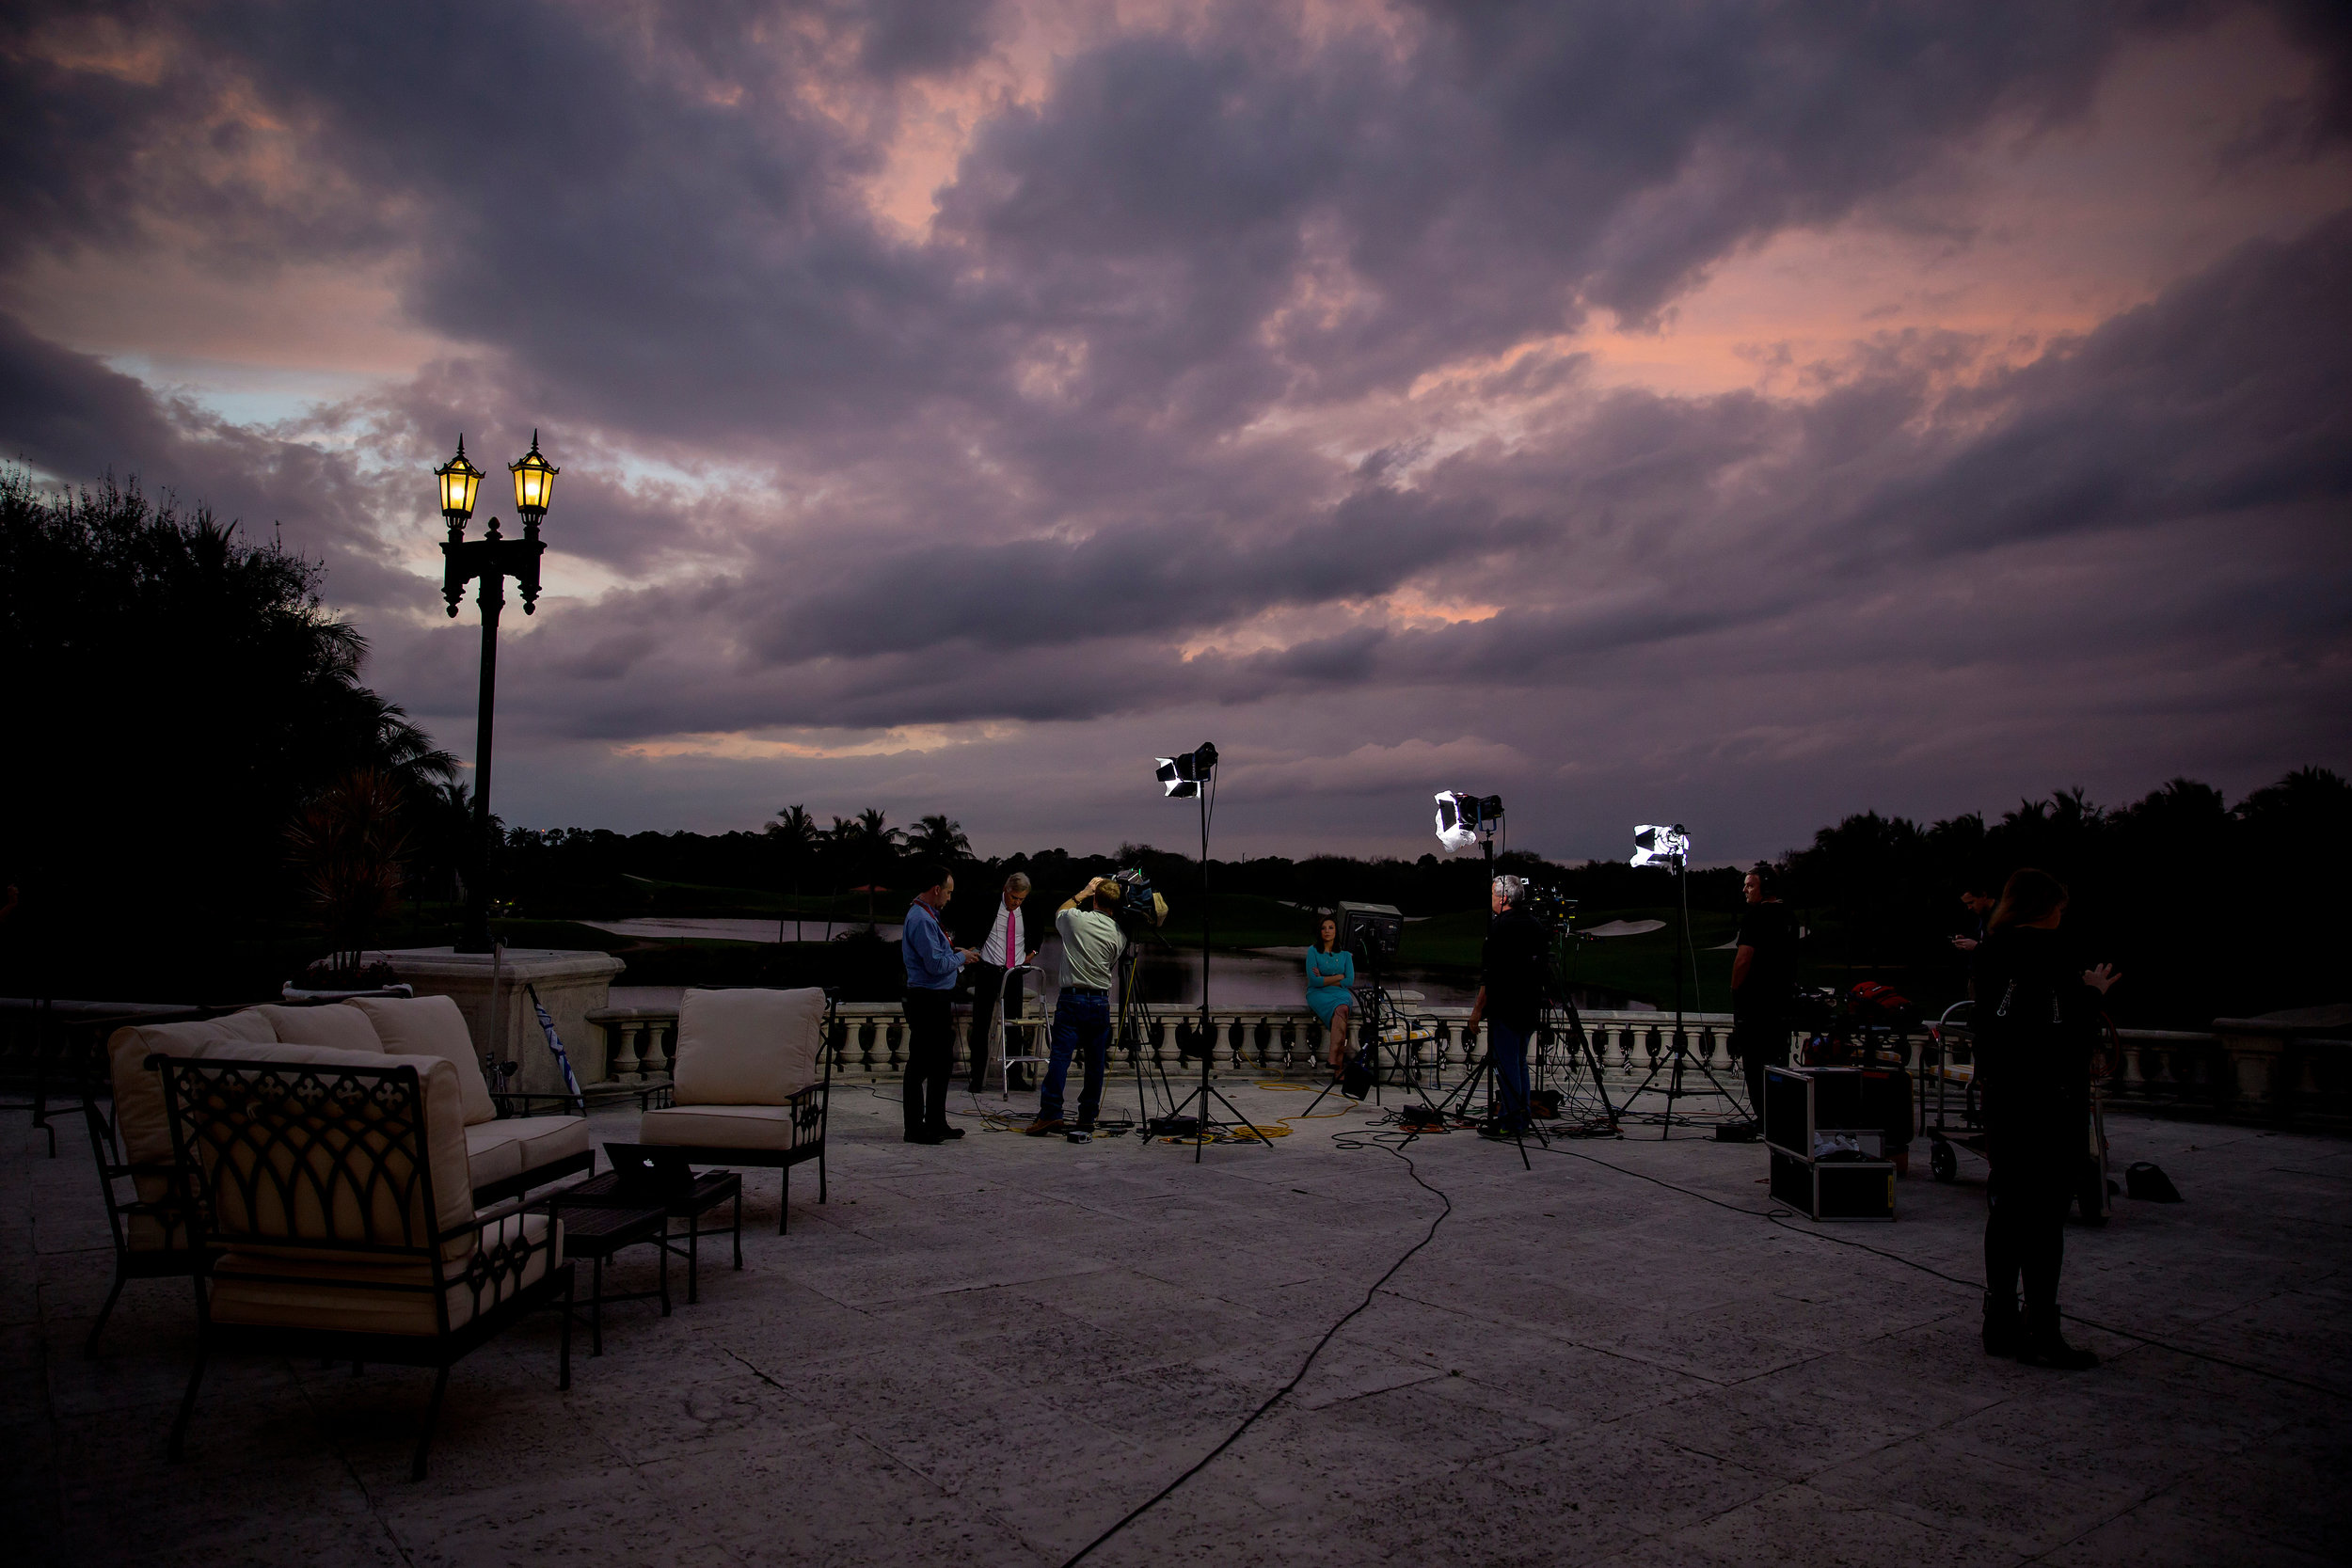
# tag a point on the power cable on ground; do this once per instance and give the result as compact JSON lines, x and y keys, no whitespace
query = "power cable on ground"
{"x":1272,"y":1400}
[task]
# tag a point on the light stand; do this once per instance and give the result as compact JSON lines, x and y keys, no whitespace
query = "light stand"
{"x":492,"y":560}
{"x":1671,"y":848}
{"x":1194,"y":774}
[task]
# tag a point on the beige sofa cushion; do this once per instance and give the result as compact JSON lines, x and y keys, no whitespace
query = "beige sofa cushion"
{"x":140,"y":1090}
{"x":309,"y":1294}
{"x":335,"y":1027}
{"x":492,"y":1153}
{"x":432,"y":1026}
{"x":499,"y":1149}
{"x":395,"y":1210}
{"x":718,"y":1126}
{"x":746,"y":1047}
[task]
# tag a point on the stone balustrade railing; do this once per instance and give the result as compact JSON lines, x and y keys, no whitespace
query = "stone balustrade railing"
{"x":2245,"y":1070}
{"x":870,"y":1039}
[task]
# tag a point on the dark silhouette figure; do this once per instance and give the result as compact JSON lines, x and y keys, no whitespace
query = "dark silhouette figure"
{"x":2036,"y":1025}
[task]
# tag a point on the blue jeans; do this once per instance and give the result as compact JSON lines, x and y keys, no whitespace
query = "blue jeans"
{"x":1508,"y":1045}
{"x":1078,"y":1022}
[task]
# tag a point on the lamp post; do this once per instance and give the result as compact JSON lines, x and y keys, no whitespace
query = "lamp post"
{"x":493,"y":559}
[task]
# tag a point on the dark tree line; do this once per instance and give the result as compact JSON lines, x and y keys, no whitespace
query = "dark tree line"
{"x":2209,"y":909}
{"x":193,"y":753}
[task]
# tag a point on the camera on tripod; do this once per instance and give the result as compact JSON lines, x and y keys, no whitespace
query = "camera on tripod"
{"x":1371,"y":931}
{"x":1549,"y":905}
{"x":1140,"y":907}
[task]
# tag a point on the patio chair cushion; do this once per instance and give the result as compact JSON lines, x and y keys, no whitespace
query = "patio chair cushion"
{"x":334,"y":1026}
{"x":718,"y":1126}
{"x":389,"y":1220}
{"x":747,"y":1047}
{"x":495,"y":1151}
{"x":305,"y":1292}
{"x":432,"y":1026}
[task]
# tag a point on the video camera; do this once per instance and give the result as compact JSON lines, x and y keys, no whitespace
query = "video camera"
{"x":1371,"y":931}
{"x":1140,"y":907}
{"x":1549,"y":905}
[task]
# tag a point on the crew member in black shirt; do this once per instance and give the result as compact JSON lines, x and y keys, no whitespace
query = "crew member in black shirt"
{"x":2036,"y":1023}
{"x":1763,"y":976}
{"x":1978,"y":896}
{"x":1513,"y":974}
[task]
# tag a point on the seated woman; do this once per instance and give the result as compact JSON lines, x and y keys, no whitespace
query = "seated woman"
{"x":1330,"y":986}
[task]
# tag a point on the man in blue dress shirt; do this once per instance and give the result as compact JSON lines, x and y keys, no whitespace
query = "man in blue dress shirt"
{"x":932,"y":964}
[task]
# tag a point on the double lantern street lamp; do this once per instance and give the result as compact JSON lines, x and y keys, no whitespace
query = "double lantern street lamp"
{"x":493,"y":559}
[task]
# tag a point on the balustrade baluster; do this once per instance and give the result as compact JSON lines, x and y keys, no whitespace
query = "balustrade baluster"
{"x":625,"y":1068}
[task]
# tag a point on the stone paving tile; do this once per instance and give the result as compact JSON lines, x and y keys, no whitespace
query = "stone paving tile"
{"x":1576,"y":1497}
{"x":605,"y":1514}
{"x":1798,"y":1421}
{"x":1801,"y":1525}
{"x":2022,"y":1509}
{"x":991,"y":1352}
{"x":2165,"y":1532}
{"x":1354,"y":1451}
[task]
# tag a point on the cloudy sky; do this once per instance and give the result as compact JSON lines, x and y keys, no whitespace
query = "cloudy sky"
{"x":1743,"y":414}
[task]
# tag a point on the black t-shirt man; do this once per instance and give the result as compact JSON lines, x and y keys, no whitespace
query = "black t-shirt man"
{"x":1513,"y":966}
{"x":1768,"y":933}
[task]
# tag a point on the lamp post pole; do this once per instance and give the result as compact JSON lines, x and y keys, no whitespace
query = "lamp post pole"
{"x":492,"y":559}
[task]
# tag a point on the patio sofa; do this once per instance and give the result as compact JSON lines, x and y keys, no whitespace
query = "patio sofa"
{"x":329,"y":1191}
{"x":508,"y":1149}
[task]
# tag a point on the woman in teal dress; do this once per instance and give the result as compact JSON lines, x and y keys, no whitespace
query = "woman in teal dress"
{"x":1330,"y":986}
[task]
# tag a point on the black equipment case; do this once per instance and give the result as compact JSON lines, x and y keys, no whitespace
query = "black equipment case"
{"x":1807,"y":1110}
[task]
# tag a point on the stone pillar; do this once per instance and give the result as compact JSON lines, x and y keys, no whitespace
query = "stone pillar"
{"x":569,"y":983}
{"x":2251,"y":1080}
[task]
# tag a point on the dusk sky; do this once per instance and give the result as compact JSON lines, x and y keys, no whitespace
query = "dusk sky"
{"x":1737,"y":414}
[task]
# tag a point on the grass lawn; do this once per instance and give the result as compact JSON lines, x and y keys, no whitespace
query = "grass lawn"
{"x":1639,"y":966}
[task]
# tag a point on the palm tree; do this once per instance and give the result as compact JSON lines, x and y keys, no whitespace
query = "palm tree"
{"x":348,"y":847}
{"x":937,"y":839}
{"x":796,"y":833}
{"x":877,"y":846}
{"x":840,"y":848}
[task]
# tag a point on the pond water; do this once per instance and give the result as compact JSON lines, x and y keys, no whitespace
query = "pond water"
{"x":1270,"y":977}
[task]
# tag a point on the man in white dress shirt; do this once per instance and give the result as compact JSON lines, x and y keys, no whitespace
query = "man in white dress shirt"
{"x":1005,"y":944}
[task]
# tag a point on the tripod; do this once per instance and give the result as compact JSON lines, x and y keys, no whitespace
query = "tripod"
{"x":1129,"y":1033}
{"x":1560,"y":1007}
{"x":1678,"y":1061}
{"x":1204,"y":791}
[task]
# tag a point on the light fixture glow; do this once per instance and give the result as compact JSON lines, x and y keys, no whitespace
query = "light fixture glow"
{"x":1463,"y":816}
{"x":1653,"y":844}
{"x":1182,"y":777}
{"x":458,"y":479}
{"x":534,"y":482}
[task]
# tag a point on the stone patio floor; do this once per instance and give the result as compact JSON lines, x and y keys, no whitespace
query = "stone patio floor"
{"x":990,"y":1352}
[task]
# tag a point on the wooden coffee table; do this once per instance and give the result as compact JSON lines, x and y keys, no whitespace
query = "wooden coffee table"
{"x":597,"y":1230}
{"x":710,"y":1189}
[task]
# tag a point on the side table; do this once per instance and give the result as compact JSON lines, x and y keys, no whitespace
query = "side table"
{"x":710,"y":1189}
{"x":597,"y":1230}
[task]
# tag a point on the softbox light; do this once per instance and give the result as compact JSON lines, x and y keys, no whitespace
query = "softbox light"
{"x":1462,"y":816}
{"x":1183,"y":776}
{"x":1660,"y":846}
